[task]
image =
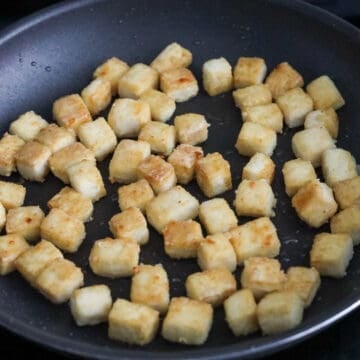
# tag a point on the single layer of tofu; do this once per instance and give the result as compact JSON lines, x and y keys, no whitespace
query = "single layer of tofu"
{"x":12,"y":195}
{"x":63,"y":230}
{"x":182,"y":239}
{"x":260,"y":166}
{"x":9,"y":146}
{"x":314,"y":203}
{"x":187,"y":321}
{"x":2,"y":216}
{"x":295,"y":105}
{"x":255,"y":238}
{"x":175,"y":204}
{"x":347,"y":192}
{"x":112,"y":69}
{"x":304,"y":281}
{"x":62,"y":159}
{"x":283,"y":78}
{"x":73,"y":203}
{"x":325,"y":93}
{"x":25,"y":221}
{"x":171,"y":57}
{"x":213,"y":174}
{"x":240,"y":312}
{"x":114,"y":258}
{"x":249,"y":71}
{"x":150,"y":286}
{"x":11,"y":247}
{"x":91,"y":305}
{"x":255,"y":138}
{"x":128,"y":116}
{"x":58,"y":280}
{"x":97,"y":95}
{"x":27,"y":126}
{"x":55,"y":137}
{"x":162,"y":106}
{"x":330,"y":254}
{"x":127,"y":157}
{"x":137,"y":194}
{"x":347,"y":221}
{"x":31,"y":262}
{"x":138,"y":79}
{"x":160,"y":136}
{"x":132,"y":323}
{"x":326,"y":118}
{"x":179,"y":84}
{"x":70,"y":111}
{"x":98,"y":137}
{"x":280,"y":311}
{"x":253,"y":95}
{"x":297,"y":173}
{"x":217,"y":76}
{"x":191,"y":128}
{"x":262,"y":275}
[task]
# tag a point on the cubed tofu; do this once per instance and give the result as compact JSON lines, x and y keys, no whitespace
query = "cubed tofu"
{"x":62,"y":159}
{"x":330,"y":254}
{"x":32,"y":161}
{"x":314,"y":203}
{"x":73,"y":203}
{"x":25,"y":221}
{"x":70,"y":111}
{"x":217,"y":76}
{"x":255,"y":138}
{"x":132,"y":323}
{"x":175,"y":204}
{"x":280,"y":311}
{"x":112,"y":69}
{"x":162,"y":106}
{"x":213,"y":174}
{"x":240,"y":312}
{"x":297,"y":173}
{"x":179,"y":84}
{"x":86,"y":178}
{"x":347,"y":221}
{"x":217,"y":216}
{"x":138,"y":79}
{"x":283,"y":78}
{"x":172,"y":57}
{"x":254,"y":198}
{"x":304,"y":281}
{"x":58,"y":280}
{"x":295,"y":105}
{"x":304,"y":146}
{"x":9,"y":146}
{"x":11,"y":247}
{"x":130,"y":224}
{"x":191,"y":128}
{"x":150,"y":286}
{"x":325,"y":93}
{"x":31,"y":262}
{"x":128,"y":116}
{"x":137,"y":194}
{"x":215,"y":252}
{"x":268,"y":115}
{"x":91,"y":305}
{"x":347,"y":192}
{"x":2,"y":216}
{"x":114,"y":258}
{"x":253,"y":95}
{"x":98,"y":137}
{"x":260,"y":166}
{"x":160,"y":136}
{"x":11,"y":195}
{"x":249,"y":71}
{"x":97,"y":95}
{"x":182,"y":239}
{"x":127,"y":157}
{"x":326,"y":119}
{"x":262,"y":275}
{"x":255,"y":238}
{"x":27,"y":126}
{"x":63,"y":230}
{"x":187,"y":321}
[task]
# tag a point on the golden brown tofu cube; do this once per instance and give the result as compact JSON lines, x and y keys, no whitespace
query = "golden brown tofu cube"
{"x":97,"y":95}
{"x":27,"y":126}
{"x":252,"y":96}
{"x":347,"y":221}
{"x":11,"y":247}
{"x":191,"y":128}
{"x":347,"y":192}
{"x":326,"y":118}
{"x":249,"y":71}
{"x":9,"y":146}
{"x":260,"y":166}
{"x":11,"y":195}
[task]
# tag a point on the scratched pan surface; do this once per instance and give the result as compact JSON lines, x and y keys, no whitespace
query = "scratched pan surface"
{"x":54,"y":52}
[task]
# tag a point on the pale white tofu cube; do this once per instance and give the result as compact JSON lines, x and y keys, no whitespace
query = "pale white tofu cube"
{"x":9,"y":146}
{"x":97,"y":95}
{"x":260,"y":166}
{"x":326,"y":118}
{"x":2,"y":216}
{"x":249,"y":71}
{"x":347,"y":192}
{"x":253,"y":95}
{"x":27,"y":126}
{"x":347,"y":221}
{"x":11,"y":195}
{"x":11,"y":247}
{"x":191,"y":128}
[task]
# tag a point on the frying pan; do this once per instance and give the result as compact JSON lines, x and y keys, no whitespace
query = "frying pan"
{"x":54,"y":52}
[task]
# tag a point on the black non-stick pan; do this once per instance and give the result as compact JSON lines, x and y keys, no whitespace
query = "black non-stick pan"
{"x":54,"y":53}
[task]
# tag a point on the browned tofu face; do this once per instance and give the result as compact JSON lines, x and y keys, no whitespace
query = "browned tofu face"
{"x":249,"y":71}
{"x":11,"y":247}
{"x":9,"y":146}
{"x":12,"y":195}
